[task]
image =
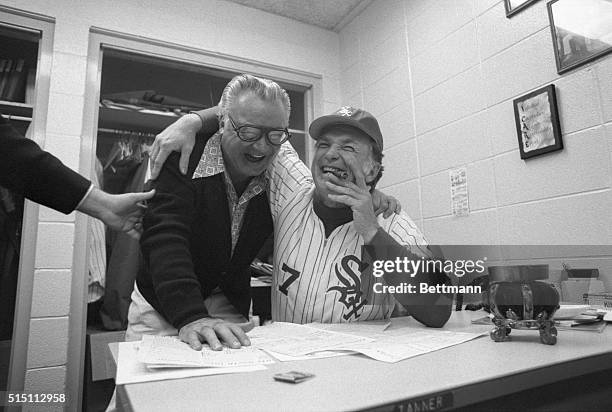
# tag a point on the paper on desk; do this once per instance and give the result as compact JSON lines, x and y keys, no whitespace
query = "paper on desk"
{"x":130,"y":370}
{"x":374,"y":341}
{"x":399,"y":346}
{"x":570,"y":311}
{"x":299,"y":340}
{"x":365,"y":328}
{"x":356,"y":328}
{"x":281,"y":357}
{"x":405,"y":339}
{"x":169,"y":351}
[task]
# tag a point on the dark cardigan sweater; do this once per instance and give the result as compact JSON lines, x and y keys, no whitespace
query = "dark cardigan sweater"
{"x":186,"y":243}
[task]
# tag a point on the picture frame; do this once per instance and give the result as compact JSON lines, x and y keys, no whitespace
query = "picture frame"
{"x":537,"y":122}
{"x":581,"y":31}
{"x":514,"y":6}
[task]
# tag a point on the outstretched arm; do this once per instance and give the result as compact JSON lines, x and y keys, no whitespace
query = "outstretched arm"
{"x":120,"y":212}
{"x":37,"y":175}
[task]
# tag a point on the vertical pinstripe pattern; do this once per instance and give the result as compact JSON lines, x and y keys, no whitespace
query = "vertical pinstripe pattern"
{"x":96,"y":258}
{"x":328,"y":282}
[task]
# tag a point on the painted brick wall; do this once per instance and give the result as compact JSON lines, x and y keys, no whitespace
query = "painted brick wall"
{"x":441,"y":76}
{"x":210,"y":25}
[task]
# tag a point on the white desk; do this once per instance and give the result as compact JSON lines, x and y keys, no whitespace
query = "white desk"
{"x":471,"y":372}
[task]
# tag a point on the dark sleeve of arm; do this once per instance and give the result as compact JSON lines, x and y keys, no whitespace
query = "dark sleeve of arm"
{"x":430,"y":309}
{"x":165,"y":245}
{"x":210,"y":120}
{"x":28,"y":170}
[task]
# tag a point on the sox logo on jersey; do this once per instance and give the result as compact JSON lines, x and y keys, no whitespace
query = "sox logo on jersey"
{"x":351,"y":294}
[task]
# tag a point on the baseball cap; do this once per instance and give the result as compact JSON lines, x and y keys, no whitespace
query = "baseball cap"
{"x":350,"y":116}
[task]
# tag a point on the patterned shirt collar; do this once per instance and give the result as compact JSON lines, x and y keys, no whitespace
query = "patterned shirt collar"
{"x":211,"y":162}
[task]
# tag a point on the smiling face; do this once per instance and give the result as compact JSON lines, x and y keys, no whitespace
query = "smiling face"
{"x":332,"y":149}
{"x":245,"y":160}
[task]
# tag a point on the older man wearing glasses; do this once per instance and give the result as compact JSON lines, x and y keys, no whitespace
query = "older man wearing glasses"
{"x":203,"y":229}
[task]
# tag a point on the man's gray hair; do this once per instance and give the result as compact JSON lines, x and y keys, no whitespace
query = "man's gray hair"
{"x":266,"y":89}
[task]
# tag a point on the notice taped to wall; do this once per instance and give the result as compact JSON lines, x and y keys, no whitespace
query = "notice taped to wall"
{"x":459,"y":192}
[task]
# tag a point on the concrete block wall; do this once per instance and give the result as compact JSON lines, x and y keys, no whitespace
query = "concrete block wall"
{"x":211,"y":25}
{"x":441,"y":76}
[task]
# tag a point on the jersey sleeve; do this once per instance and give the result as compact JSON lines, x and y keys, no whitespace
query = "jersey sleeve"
{"x":431,"y":309}
{"x":286,"y":176}
{"x":405,"y":232}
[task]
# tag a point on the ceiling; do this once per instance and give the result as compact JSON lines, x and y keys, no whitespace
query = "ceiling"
{"x":328,"y":14}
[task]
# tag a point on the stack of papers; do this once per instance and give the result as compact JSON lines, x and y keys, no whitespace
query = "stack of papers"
{"x":580,"y":317}
{"x":569,"y":311}
{"x":166,"y":357}
{"x":417,"y":342}
{"x":286,"y":341}
{"x":402,"y":341}
{"x":298,"y":340}
{"x":131,"y":370}
{"x":170,"y":352}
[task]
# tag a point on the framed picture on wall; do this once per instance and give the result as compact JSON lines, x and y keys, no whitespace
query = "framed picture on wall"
{"x":537,"y":122}
{"x":581,"y":31}
{"x":514,"y":6}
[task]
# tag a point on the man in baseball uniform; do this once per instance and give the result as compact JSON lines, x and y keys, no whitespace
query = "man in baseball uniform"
{"x":322,"y":218}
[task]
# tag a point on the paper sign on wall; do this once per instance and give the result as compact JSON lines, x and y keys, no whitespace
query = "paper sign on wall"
{"x":459,"y":192}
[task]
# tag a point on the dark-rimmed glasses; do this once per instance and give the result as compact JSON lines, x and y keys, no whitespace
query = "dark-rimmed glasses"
{"x":250,"y":133}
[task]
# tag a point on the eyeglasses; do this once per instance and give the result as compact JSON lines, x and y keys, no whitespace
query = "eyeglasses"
{"x":249,"y":133}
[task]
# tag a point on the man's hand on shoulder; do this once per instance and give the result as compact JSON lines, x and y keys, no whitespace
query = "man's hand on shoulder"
{"x":214,"y":331}
{"x":385,"y":204}
{"x":178,"y":137}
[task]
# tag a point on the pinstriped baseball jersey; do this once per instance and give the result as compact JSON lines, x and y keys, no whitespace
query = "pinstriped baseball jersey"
{"x":318,"y":279}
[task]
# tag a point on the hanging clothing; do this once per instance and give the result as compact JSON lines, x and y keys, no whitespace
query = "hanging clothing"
{"x":122,"y":266}
{"x":97,"y":249}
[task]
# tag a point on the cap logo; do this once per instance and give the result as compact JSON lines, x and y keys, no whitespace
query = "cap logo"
{"x":346,"y":111}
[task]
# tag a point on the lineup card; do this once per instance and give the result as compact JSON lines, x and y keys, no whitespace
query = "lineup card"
{"x":170,"y":352}
{"x":300,"y":340}
{"x":130,"y":370}
{"x":285,"y":340}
